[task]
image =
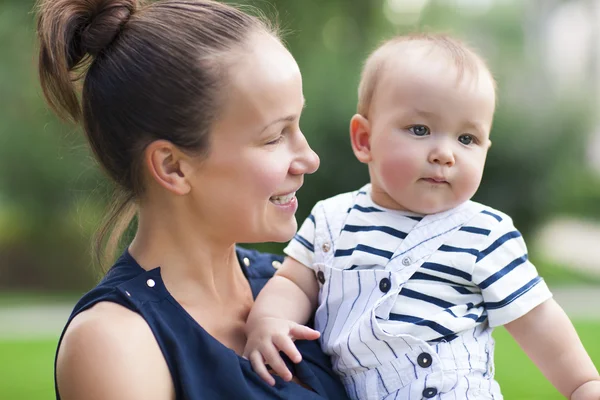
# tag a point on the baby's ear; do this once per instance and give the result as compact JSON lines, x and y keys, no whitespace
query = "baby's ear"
{"x":360,"y":138}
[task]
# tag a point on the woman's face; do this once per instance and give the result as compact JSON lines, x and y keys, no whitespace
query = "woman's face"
{"x":245,"y":189}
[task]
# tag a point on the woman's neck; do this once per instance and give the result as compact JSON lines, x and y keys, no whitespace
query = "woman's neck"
{"x":195,"y":266}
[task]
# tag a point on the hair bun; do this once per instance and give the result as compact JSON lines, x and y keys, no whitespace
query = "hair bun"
{"x":101,"y":23}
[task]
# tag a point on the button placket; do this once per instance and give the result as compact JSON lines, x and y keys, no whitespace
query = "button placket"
{"x":430,"y":392}
{"x":424,"y":360}
{"x":321,"y":277}
{"x":385,"y":285}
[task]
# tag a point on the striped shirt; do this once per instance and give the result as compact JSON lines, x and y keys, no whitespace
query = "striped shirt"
{"x":425,"y":279}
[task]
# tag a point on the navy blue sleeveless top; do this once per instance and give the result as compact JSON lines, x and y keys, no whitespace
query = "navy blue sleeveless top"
{"x":202,"y":367}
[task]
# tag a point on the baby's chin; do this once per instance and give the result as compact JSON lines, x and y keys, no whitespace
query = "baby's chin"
{"x":434,"y":207}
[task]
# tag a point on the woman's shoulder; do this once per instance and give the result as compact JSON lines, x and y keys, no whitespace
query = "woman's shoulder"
{"x":112,"y":345}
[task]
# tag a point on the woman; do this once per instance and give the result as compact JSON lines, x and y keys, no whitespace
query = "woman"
{"x":192,"y":107}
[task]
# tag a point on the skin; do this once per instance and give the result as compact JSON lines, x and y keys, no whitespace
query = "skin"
{"x":194,"y":211}
{"x":434,"y":128}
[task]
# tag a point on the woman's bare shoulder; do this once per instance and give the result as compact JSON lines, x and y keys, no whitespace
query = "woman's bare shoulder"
{"x":109,"y":352}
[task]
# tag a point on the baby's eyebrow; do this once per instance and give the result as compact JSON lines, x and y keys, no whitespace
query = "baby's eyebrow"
{"x":424,"y":113}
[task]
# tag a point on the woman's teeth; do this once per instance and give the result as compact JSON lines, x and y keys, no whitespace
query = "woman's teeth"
{"x":283,"y":199}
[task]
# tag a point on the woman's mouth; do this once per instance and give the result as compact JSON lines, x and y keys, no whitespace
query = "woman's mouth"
{"x":283,"y":199}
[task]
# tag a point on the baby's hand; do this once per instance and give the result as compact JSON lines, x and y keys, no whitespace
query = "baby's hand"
{"x":588,"y":391}
{"x":267,"y":337}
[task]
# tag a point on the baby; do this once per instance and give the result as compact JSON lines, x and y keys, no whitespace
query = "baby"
{"x":408,"y":276}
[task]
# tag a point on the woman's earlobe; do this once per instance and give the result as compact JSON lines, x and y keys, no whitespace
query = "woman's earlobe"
{"x":360,"y":138}
{"x":165,"y":165}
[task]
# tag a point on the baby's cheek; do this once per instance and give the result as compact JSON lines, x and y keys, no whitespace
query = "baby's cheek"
{"x":397,"y":172}
{"x":470,"y":181}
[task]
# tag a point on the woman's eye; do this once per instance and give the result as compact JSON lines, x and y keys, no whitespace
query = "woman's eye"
{"x":277,"y":140}
{"x":466,"y":139}
{"x":419,"y":130}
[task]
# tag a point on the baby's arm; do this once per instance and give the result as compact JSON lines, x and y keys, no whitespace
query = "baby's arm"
{"x":548,"y":337}
{"x":277,"y":317}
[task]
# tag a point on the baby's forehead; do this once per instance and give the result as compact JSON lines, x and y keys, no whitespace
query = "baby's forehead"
{"x":420,"y":57}
{"x":421,"y":63}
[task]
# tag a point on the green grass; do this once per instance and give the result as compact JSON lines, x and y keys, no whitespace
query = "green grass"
{"x":26,"y":367}
{"x":520,"y":379}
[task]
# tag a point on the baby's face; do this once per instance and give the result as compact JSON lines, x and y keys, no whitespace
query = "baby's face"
{"x":429,"y":135}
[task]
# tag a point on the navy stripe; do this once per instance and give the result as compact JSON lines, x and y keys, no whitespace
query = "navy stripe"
{"x":385,"y":229}
{"x":470,"y":316}
{"x":472,"y":229}
{"x":452,"y":249}
{"x":304,"y":242}
{"x":312,"y":218}
{"x":364,"y":209}
{"x":448,"y":338}
{"x":423,"y":297}
{"x":514,"y":295}
{"x":422,"y":322}
{"x":447,"y":270}
{"x":482,"y":318}
{"x":365,"y":249}
{"x":514,"y":264}
{"x":426,"y":277}
{"x":498,"y":218}
{"x":501,"y":240}
{"x":415,"y":218}
{"x":361,"y":192}
{"x":462,"y":289}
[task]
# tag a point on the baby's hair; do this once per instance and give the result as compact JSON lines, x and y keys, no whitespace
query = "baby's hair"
{"x":464,"y":59}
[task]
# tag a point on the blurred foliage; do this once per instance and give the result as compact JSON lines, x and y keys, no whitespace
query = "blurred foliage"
{"x":52,"y":194}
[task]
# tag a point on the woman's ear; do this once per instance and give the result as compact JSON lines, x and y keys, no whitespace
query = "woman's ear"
{"x":168,"y":166}
{"x":360,"y":137}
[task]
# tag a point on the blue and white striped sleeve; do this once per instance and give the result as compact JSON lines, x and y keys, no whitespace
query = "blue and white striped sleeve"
{"x":509,"y":282}
{"x":301,"y":247}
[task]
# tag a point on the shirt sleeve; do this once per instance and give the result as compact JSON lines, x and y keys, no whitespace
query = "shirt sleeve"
{"x":509,"y":282}
{"x":301,"y":247}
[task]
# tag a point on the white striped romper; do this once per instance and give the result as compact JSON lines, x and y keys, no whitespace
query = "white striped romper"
{"x":407,"y":303}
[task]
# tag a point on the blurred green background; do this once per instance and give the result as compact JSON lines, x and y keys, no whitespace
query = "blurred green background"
{"x":543,"y":168}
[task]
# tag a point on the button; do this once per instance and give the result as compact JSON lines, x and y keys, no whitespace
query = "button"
{"x":428,"y":393}
{"x":246,"y":261}
{"x":321,"y":277}
{"x":424,"y":360}
{"x":385,"y":285}
{"x":406,"y":261}
{"x":150,"y":283}
{"x":276,"y":264}
{"x":326,"y":247}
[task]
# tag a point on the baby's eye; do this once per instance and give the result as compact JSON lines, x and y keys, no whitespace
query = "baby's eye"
{"x":466,"y":139}
{"x":419,"y":130}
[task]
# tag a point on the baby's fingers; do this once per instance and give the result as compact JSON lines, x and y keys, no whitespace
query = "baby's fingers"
{"x":301,"y":332}
{"x":286,"y":344}
{"x":272,"y":357}
{"x":258,"y":364}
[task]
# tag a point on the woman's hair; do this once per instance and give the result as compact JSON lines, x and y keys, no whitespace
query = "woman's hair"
{"x":149,"y":72}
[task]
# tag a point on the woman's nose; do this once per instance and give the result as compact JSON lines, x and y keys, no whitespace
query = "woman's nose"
{"x":307,"y":161}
